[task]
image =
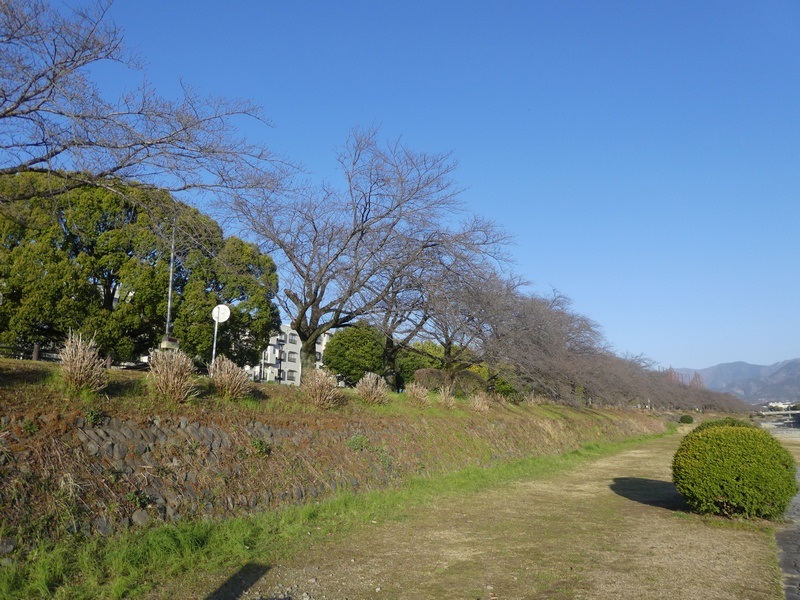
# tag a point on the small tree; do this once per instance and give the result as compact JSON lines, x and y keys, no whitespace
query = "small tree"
{"x":354,"y":351}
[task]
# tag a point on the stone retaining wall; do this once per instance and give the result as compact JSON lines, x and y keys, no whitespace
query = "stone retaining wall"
{"x":95,"y":473}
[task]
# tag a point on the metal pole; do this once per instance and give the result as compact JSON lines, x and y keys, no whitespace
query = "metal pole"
{"x":214,"y":348}
{"x":171,"y":273}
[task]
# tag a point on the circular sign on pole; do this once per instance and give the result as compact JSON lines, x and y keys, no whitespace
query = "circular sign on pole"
{"x":220,"y":313}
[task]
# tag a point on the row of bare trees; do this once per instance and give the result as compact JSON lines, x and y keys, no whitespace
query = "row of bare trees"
{"x":390,"y":243}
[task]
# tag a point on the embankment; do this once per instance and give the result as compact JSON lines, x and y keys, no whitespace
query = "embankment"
{"x":74,"y":472}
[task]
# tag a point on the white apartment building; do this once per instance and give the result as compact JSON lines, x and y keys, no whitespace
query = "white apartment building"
{"x":280,"y":362}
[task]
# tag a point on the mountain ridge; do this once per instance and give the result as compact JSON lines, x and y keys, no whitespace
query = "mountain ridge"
{"x":755,"y":384}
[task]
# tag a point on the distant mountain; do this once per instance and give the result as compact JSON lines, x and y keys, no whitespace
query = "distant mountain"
{"x":755,"y":384}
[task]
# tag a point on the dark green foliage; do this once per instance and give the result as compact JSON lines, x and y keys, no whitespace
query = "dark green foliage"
{"x":724,"y":422}
{"x":734,"y":471}
{"x":421,"y":355}
{"x":95,"y":416}
{"x":686,"y":419}
{"x":138,"y":498}
{"x":354,"y":351}
{"x":96,"y":262}
{"x":30,"y":427}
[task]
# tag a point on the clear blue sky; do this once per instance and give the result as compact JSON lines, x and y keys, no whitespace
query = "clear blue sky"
{"x":646,"y":155}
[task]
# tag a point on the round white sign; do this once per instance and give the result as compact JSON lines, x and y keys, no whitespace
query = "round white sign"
{"x":220,"y":313}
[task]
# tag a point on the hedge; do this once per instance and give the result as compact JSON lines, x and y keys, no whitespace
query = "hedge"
{"x":734,"y":471}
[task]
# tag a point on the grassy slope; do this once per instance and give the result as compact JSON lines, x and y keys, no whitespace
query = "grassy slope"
{"x":133,"y":561}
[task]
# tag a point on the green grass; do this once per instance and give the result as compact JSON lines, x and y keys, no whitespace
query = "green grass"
{"x":131,"y":563}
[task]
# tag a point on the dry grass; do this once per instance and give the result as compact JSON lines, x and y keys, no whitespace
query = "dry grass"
{"x":320,"y":388}
{"x":82,"y":369}
{"x":417,"y":395}
{"x":447,"y":397}
{"x":372,"y":389}
{"x":480,"y":402}
{"x":171,"y":375}
{"x":229,"y":380}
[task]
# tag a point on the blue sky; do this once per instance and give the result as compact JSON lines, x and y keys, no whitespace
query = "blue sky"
{"x":645,"y":155}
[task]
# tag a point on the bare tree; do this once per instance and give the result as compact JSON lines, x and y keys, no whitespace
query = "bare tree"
{"x":540,"y":341}
{"x":55,"y":119}
{"x":346,"y":253}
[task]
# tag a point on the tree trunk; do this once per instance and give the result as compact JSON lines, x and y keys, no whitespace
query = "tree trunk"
{"x":308,"y":358}
{"x":390,"y":374}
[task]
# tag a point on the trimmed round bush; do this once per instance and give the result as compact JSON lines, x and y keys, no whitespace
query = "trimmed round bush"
{"x":686,"y":419}
{"x":734,"y":471}
{"x":724,"y":422}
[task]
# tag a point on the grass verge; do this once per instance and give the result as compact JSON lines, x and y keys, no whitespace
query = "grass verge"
{"x":133,"y":563}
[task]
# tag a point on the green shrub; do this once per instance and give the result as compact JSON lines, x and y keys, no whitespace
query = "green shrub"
{"x":734,"y":471}
{"x":724,"y":422}
{"x":358,"y":442}
{"x":261,"y":447}
{"x":686,"y":419}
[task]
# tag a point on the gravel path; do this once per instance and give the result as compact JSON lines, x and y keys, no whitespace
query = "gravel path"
{"x":610,"y":529}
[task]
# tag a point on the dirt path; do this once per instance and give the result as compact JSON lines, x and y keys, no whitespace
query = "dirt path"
{"x":613,"y":528}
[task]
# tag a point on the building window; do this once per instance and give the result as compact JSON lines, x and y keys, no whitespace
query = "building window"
{"x":291,"y":375}
{"x":319,"y":356}
{"x":292,"y":338}
{"x":292,"y":356}
{"x":282,"y":338}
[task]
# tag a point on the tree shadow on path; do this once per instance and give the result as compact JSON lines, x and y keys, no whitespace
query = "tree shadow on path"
{"x":652,"y":492}
{"x":239,"y":582}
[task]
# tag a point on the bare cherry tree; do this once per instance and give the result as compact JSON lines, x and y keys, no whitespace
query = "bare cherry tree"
{"x":540,"y":342}
{"x":55,"y":119}
{"x":346,"y":253}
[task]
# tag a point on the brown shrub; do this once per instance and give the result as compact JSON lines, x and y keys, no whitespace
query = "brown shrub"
{"x":465,"y":383}
{"x":430,"y":379}
{"x":468,"y":383}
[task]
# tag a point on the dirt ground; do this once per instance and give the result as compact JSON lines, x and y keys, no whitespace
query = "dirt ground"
{"x":611,"y":529}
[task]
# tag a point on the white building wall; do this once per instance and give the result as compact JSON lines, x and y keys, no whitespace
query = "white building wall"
{"x":281,"y":360}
